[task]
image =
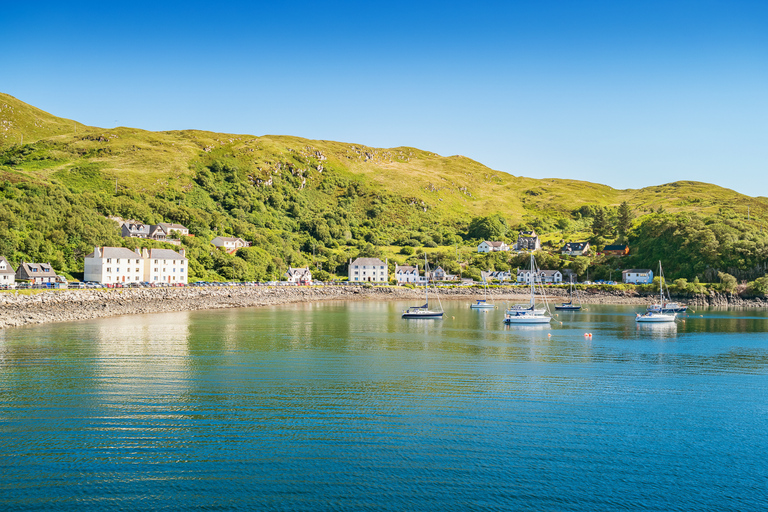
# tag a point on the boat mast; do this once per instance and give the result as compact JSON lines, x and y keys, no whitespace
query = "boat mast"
{"x":533,"y":280}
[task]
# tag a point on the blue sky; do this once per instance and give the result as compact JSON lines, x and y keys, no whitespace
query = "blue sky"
{"x":629,"y":94}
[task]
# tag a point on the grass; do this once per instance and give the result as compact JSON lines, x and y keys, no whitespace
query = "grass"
{"x":453,"y":188}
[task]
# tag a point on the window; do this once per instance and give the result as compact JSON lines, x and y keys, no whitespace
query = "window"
{"x":137,"y":261}
{"x":181,"y":270}
{"x":137,"y":270}
{"x":117,"y":269}
{"x":109,"y":269}
{"x":155,"y":278}
{"x":155,"y":270}
{"x":118,"y":260}
{"x":109,"y":260}
{"x":155,"y":264}
{"x":34,"y":269}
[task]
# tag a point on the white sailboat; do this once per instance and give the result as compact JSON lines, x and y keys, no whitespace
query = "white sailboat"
{"x":529,"y":315}
{"x":483,"y":303}
{"x":657,"y":316}
{"x":424,"y":311}
{"x":570,"y":306}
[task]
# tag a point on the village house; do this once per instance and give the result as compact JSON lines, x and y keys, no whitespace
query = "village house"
{"x":7,"y":274}
{"x":540,"y":276}
{"x":486,"y":246}
{"x":368,"y":270}
{"x":637,"y":276}
{"x":575,"y":249}
{"x":616,"y":250}
{"x":37,"y":273}
{"x":298,"y":275}
{"x":408,"y":274}
{"x":110,"y":265}
{"x":163,"y":231}
{"x":165,"y":266}
{"x":230,"y":243}
{"x":498,"y":275}
{"x":528,"y":241}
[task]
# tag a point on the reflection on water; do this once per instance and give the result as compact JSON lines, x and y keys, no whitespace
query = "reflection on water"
{"x":348,"y":406}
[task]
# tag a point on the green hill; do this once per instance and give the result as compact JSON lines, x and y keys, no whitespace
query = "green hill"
{"x":291,"y":196}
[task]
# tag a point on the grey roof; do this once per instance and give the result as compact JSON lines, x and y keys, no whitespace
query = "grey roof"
{"x":9,"y":269}
{"x":575,"y":246}
{"x":167,"y":226}
{"x":637,"y":270}
{"x":35,"y":270}
{"x":299,"y":272}
{"x":166,"y":254}
{"x":406,"y":268}
{"x":549,"y":272}
{"x":367,"y":261}
{"x":116,"y":252}
{"x":614,"y":247}
{"x":229,"y":239}
{"x":494,"y":244}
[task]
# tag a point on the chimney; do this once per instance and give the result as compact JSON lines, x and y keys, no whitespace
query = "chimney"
{"x":138,"y":251}
{"x":97,"y":252}
{"x":183,"y":253}
{"x":145,"y":253}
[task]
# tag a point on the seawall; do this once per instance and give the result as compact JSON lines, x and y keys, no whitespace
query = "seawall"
{"x":68,"y":305}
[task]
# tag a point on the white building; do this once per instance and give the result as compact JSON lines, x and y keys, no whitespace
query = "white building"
{"x":540,"y":276}
{"x":486,"y":246}
{"x":497,"y":275}
{"x":408,"y":274}
{"x":368,"y":270}
{"x":298,"y":275}
{"x":165,"y":266}
{"x":575,"y":249}
{"x":637,"y":276}
{"x":110,"y":265}
{"x":229,"y":243}
{"x":7,"y":274}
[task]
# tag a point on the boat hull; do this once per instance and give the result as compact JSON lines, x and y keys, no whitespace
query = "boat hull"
{"x":655,"y":318}
{"x":568,"y":307}
{"x":430,"y":315}
{"x":482,"y":306}
{"x":527,"y":319}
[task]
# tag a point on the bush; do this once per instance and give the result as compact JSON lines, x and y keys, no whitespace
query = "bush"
{"x":759,"y":286}
{"x":407,"y":250}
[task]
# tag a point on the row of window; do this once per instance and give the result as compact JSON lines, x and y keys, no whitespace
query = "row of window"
{"x":165,"y":271}
{"x":165,"y":262}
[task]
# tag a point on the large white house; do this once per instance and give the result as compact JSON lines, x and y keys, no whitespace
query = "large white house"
{"x":497,"y":275}
{"x":408,"y":274}
{"x":110,"y":265}
{"x":637,"y":276}
{"x":486,"y":246}
{"x":165,"y":266}
{"x":540,"y":276}
{"x":368,"y":270}
{"x":7,"y":274}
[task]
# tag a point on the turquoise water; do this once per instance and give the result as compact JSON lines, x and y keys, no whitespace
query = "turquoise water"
{"x":345,"y":406}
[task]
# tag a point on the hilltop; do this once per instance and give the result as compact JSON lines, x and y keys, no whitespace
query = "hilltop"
{"x":293,"y":196}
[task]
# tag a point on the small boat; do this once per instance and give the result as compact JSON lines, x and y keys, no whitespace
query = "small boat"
{"x":424,"y":311}
{"x":483,"y":303}
{"x":569,"y":306}
{"x":660,"y":315}
{"x":529,"y":315}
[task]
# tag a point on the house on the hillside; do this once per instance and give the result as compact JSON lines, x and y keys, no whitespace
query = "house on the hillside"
{"x":637,"y":276}
{"x":408,"y":274}
{"x":616,"y":250}
{"x":487,"y":246}
{"x":298,"y":275}
{"x":230,"y":243}
{"x":133,"y":229}
{"x":540,"y":276}
{"x":110,"y":265}
{"x":368,"y":270}
{"x":167,"y":231}
{"x":575,"y":249}
{"x":528,"y":241}
{"x":7,"y":274}
{"x":165,"y":266}
{"x":36,"y":273}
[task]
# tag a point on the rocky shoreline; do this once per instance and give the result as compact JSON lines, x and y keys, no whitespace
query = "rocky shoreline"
{"x":69,"y":305}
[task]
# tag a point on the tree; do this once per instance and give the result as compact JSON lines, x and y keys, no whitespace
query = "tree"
{"x":491,"y":227}
{"x":624,"y":220}
{"x":728,"y":283}
{"x":600,"y":225}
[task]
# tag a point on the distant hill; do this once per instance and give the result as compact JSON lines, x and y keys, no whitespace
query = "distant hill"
{"x":280,"y":189}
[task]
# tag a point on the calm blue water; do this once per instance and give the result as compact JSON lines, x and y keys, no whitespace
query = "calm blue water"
{"x":345,"y":406}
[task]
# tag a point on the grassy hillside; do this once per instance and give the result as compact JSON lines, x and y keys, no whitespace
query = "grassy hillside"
{"x":297,"y":199}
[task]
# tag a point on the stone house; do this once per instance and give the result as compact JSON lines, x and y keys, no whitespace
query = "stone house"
{"x":36,"y":273}
{"x":575,"y":249}
{"x":528,"y":241}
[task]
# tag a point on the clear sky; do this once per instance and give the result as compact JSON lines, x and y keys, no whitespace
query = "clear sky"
{"x":626,"y":93}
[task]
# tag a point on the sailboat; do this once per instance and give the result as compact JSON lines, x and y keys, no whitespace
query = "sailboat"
{"x":483,"y":303}
{"x":424,"y":311}
{"x":529,"y":315}
{"x":569,"y":306}
{"x":658,"y":316}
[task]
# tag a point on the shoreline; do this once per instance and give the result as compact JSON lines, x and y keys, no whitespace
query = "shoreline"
{"x":72,"y":305}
